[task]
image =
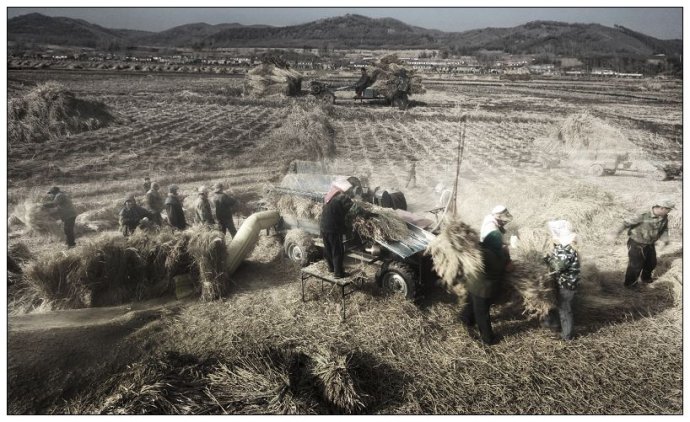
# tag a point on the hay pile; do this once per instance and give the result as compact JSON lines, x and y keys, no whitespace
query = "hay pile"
{"x":295,"y":205}
{"x":306,"y":133}
{"x":373,"y":222}
{"x":260,"y":380}
{"x":273,"y":78}
{"x":390,"y":76}
{"x":50,"y":111}
{"x":583,"y":136}
{"x":111,"y":270}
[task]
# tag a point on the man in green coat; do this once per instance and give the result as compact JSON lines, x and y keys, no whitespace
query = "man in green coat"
{"x":644,"y":230}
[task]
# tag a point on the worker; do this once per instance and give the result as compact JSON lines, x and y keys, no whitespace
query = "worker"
{"x":131,"y":215}
{"x":362,"y":83}
{"x":564,"y":267}
{"x":202,"y":208}
{"x":223,"y":204}
{"x":173,"y":207}
{"x":147,"y":183}
{"x":644,"y":230}
{"x":412,"y":175}
{"x":60,"y":200}
{"x":484,"y":288}
{"x":154,"y":202}
{"x":333,"y":227}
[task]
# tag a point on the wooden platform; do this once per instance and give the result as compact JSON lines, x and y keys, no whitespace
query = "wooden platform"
{"x":319,"y":271}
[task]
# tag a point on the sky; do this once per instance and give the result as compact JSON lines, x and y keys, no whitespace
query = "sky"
{"x":662,"y":23}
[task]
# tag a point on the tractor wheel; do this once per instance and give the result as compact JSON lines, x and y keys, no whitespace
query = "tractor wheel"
{"x":299,"y":247}
{"x":596,"y":170}
{"x":398,"y":278}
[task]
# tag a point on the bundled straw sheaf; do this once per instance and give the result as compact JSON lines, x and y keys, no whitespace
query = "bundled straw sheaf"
{"x":456,"y":253}
{"x":207,"y":248}
{"x":336,"y":382}
{"x":50,"y":111}
{"x":530,"y":284}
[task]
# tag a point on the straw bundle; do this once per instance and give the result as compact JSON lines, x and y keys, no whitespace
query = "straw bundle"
{"x":50,"y":111}
{"x":372,"y":222}
{"x":37,"y":219}
{"x":268,"y":79}
{"x":336,"y":383}
{"x":295,"y":205}
{"x":456,"y":253}
{"x":207,"y":248}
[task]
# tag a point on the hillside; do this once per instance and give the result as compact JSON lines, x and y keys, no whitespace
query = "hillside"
{"x":354,"y":31}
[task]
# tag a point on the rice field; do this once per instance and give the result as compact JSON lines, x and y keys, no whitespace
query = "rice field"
{"x":260,"y":349}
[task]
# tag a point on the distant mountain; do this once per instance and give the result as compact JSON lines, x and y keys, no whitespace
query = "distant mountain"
{"x":37,"y":28}
{"x":188,"y":35}
{"x":564,"y":39}
{"x":353,"y":31}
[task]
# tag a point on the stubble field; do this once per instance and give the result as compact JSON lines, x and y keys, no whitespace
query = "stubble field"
{"x":400,"y":357}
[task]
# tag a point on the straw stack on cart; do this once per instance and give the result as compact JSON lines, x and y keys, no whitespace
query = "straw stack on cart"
{"x":390,"y":76}
{"x":273,"y":77}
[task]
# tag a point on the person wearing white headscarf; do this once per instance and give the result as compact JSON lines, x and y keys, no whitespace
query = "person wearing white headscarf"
{"x":564,"y":266}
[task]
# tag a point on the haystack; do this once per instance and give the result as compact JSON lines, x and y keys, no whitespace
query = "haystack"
{"x":273,"y":77}
{"x":111,"y":269}
{"x":390,"y":76}
{"x":585,"y":137}
{"x":306,"y":133}
{"x":50,"y":111}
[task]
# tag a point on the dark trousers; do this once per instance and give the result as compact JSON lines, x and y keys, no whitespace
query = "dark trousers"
{"x":228,"y":225}
{"x":641,"y":262}
{"x":477,"y":311}
{"x":334,"y":252}
{"x":563,"y":316}
{"x":68,"y":224}
{"x":156,"y":218}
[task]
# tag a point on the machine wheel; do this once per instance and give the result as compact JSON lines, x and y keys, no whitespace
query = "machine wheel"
{"x":299,"y":247}
{"x":596,"y":170}
{"x":328,"y":97}
{"x":398,"y":278}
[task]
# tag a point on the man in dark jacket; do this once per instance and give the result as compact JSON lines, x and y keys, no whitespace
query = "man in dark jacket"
{"x":154,"y":202}
{"x":482,"y":290}
{"x":223,"y":204}
{"x":65,"y":211}
{"x":644,"y":230}
{"x":363,"y":82}
{"x":131,"y":215}
{"x":333,"y":228}
{"x":173,"y":207}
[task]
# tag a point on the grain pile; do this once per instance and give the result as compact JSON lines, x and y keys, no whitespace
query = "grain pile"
{"x":273,"y":77}
{"x":389,"y":76}
{"x":50,"y":111}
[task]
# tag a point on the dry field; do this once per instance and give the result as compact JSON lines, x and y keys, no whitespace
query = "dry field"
{"x":261,"y":350}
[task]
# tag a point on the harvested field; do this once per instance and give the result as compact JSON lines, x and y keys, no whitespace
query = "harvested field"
{"x":254,"y":347}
